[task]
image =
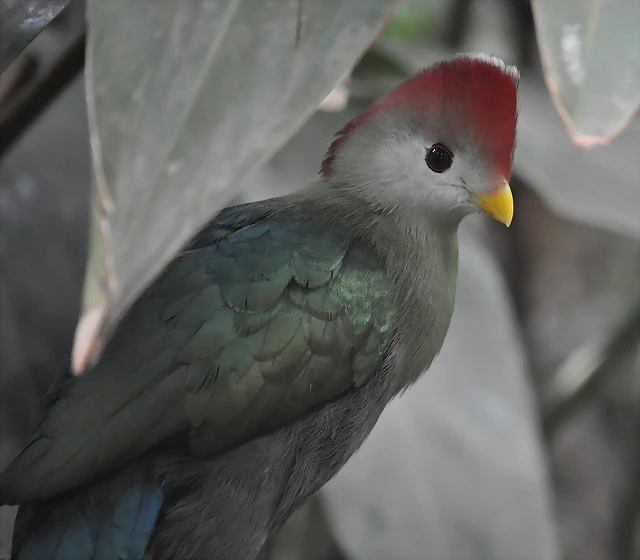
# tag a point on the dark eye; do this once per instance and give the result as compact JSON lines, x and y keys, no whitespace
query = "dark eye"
{"x":439,"y":158}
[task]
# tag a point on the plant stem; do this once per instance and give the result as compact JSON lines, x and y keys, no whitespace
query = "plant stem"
{"x":584,"y":370}
{"x":22,"y":112}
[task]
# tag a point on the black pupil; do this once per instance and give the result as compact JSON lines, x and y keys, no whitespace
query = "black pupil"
{"x":439,"y":158}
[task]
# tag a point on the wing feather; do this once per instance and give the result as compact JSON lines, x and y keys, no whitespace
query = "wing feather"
{"x":236,"y":338}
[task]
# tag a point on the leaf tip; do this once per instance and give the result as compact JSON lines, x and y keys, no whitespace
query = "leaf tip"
{"x":88,"y":342}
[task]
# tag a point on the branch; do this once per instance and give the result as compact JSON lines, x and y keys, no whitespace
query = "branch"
{"x":17,"y":77}
{"x":585,"y":369}
{"x":19,"y":115}
{"x":21,"y":21}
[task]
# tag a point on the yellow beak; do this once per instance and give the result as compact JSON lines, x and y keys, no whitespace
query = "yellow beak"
{"x":499,"y":204}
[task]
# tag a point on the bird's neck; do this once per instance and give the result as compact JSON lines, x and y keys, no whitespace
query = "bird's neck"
{"x":420,"y":254}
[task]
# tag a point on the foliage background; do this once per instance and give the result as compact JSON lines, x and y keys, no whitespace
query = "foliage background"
{"x":475,"y":461}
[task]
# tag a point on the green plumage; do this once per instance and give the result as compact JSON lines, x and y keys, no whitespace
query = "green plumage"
{"x":277,"y":312}
{"x":245,"y":331}
{"x":255,"y":366}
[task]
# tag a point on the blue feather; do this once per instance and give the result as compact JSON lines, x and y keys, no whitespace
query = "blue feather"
{"x":134,"y":519}
{"x":62,"y":539}
{"x":110,"y":521}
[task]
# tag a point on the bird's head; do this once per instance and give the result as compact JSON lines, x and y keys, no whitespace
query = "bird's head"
{"x":443,"y":140}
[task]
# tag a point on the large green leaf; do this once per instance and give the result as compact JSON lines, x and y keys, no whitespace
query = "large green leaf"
{"x":185,"y":99}
{"x":591,"y":55}
{"x":20,"y":23}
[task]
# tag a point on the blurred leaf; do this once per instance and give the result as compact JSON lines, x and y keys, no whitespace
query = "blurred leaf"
{"x":454,"y":468}
{"x":20,"y":23}
{"x":185,"y":99}
{"x":600,"y":187}
{"x":586,"y":368}
{"x":412,"y":22}
{"x":591,"y":55}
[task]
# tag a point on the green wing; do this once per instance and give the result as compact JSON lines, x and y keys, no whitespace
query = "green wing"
{"x":244,"y":332}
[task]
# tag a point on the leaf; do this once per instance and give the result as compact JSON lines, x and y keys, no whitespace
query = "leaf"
{"x":20,"y":23}
{"x":186,"y":99}
{"x":454,"y":468}
{"x":591,"y":57}
{"x":413,"y":22}
{"x":600,"y":187}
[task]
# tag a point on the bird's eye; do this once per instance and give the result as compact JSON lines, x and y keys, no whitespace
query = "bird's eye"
{"x":439,"y":158}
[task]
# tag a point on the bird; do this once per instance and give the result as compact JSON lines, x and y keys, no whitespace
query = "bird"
{"x":260,"y":359}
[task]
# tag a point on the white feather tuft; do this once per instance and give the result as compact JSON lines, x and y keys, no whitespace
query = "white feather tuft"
{"x":509,"y":69}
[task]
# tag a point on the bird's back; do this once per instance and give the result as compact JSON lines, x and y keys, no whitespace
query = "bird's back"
{"x":263,"y":324}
